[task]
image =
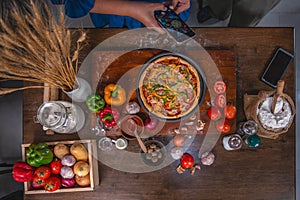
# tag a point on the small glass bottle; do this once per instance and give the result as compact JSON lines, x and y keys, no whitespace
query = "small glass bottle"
{"x":252,"y":140}
{"x":105,"y":144}
{"x":232,"y":142}
{"x":249,"y":127}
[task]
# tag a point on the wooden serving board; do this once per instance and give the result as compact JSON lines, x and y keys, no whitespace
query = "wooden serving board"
{"x":122,"y":67}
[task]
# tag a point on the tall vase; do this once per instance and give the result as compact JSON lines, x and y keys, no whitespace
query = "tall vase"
{"x":81,"y":92}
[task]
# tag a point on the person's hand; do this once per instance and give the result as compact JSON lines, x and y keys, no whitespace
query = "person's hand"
{"x":179,"y":5}
{"x":139,"y":10}
{"x":144,"y":12}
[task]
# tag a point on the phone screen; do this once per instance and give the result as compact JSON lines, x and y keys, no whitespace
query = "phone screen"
{"x":277,"y":67}
{"x":174,"y":24}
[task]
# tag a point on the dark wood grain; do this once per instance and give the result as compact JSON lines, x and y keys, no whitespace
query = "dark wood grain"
{"x":124,"y":70}
{"x":267,"y":172}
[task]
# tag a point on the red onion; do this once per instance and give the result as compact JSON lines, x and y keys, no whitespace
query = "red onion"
{"x":68,"y":182}
{"x":68,"y":160}
{"x":66,"y":172}
{"x":151,"y":123}
{"x":36,"y":186}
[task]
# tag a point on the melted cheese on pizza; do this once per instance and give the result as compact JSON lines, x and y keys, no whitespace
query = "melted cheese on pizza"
{"x":170,"y":87}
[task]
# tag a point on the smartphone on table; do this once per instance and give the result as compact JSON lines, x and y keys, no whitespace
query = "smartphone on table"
{"x":174,"y":25}
{"x":277,"y":67}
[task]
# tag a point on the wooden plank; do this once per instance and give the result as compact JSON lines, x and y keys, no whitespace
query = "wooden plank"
{"x":123,"y":67}
{"x":269,"y":170}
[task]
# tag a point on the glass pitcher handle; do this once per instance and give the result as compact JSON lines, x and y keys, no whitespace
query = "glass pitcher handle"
{"x":36,"y":121}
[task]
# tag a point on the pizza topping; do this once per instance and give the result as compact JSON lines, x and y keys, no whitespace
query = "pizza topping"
{"x":169,"y":87}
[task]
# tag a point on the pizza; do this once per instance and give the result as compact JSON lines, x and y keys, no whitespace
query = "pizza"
{"x":169,"y":87}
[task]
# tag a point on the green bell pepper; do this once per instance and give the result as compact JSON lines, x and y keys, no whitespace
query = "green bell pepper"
{"x":95,"y":103}
{"x":38,"y":154}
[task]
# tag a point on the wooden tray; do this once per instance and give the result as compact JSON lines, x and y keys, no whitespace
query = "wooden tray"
{"x":93,"y":162}
{"x":123,"y":67}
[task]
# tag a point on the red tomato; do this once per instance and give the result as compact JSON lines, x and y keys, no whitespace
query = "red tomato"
{"x":52,"y":183}
{"x":43,"y":172}
{"x":187,"y":161}
{"x":230,"y":112}
{"x":220,"y":101}
{"x":38,"y":182}
{"x":223,"y":126}
{"x":214,"y":113}
{"x":55,"y":166}
{"x":219,"y":87}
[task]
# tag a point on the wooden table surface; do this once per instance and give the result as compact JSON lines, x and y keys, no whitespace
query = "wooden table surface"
{"x":266,"y":172}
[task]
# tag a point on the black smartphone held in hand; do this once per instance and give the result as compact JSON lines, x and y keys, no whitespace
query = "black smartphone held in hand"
{"x":277,"y":67}
{"x":174,"y":25}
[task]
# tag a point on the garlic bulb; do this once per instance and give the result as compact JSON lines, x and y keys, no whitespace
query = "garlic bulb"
{"x":207,"y":158}
{"x":132,"y":107}
{"x":176,"y":153}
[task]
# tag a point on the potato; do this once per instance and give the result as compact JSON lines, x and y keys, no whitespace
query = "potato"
{"x":60,"y":150}
{"x":79,"y":151}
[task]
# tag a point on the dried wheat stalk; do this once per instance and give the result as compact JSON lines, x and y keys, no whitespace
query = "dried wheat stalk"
{"x":38,"y":49}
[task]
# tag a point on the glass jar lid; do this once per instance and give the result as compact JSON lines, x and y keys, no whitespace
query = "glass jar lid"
{"x":52,"y":114}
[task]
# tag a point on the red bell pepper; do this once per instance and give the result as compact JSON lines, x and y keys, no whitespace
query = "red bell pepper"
{"x":55,"y":166}
{"x":52,"y":183}
{"x":109,"y":116}
{"x":37,"y":182}
{"x":22,"y":172}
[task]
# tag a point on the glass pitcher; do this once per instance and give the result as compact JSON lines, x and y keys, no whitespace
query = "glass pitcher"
{"x":60,"y":116}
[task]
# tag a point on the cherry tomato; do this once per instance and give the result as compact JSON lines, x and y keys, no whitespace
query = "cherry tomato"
{"x":214,"y":113}
{"x":186,"y":161}
{"x":223,"y":126}
{"x":38,"y":182}
{"x":55,"y":166}
{"x":52,"y":183}
{"x":43,"y":172}
{"x":230,"y":112}
{"x":219,"y":87}
{"x":220,"y":101}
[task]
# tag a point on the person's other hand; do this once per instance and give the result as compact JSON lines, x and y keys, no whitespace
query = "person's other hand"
{"x":179,"y":5}
{"x":144,"y":12}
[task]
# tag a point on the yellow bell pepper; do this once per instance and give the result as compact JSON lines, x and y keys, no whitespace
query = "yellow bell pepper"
{"x":114,"y":94}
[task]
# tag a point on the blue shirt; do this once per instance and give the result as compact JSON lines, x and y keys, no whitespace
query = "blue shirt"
{"x":80,"y":8}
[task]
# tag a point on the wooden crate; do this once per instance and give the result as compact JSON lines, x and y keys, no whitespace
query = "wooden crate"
{"x":92,"y":160}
